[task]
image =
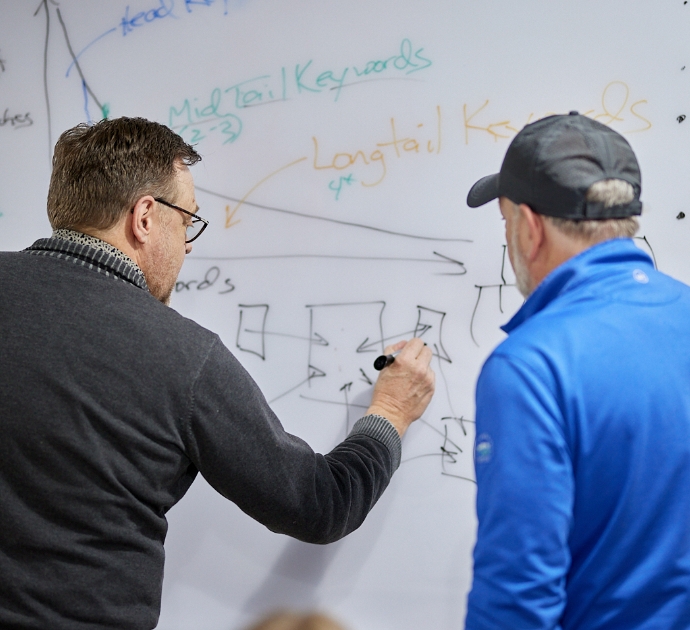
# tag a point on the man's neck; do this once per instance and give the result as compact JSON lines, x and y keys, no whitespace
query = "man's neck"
{"x":116,"y":237}
{"x":558,"y":248}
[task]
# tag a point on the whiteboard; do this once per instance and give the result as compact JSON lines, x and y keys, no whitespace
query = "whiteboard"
{"x":339,"y":142}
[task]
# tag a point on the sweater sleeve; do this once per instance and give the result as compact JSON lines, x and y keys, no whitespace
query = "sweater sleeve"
{"x":524,"y":501}
{"x":242,"y":450}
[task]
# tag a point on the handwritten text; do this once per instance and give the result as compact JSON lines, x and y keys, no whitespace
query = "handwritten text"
{"x":17,"y":121}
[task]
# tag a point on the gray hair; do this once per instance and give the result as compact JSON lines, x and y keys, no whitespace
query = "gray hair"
{"x":610,"y":192}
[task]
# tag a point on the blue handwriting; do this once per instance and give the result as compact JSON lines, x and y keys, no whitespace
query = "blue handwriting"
{"x":290,"y":81}
{"x":163,"y":10}
{"x":337,"y":185}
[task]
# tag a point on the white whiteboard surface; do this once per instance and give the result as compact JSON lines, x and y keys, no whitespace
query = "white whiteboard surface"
{"x":339,"y":142}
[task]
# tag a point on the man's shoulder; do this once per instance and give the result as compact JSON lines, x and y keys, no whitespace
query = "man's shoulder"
{"x":104,"y":299}
{"x":592,"y":332}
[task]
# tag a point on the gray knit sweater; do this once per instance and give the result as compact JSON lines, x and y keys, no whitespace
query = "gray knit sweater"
{"x":110,"y":403}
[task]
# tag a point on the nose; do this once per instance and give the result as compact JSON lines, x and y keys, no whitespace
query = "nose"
{"x":187,"y":248}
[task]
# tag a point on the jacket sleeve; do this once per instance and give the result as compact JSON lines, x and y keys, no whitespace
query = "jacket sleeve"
{"x":524,"y":500}
{"x":240,"y":447}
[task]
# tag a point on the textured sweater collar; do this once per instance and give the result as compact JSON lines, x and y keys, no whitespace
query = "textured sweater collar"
{"x":92,"y":253}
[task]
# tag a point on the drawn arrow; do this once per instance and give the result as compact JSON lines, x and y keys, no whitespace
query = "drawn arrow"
{"x":369,"y":347}
{"x":313,"y":373}
{"x":317,"y":339}
{"x":305,"y":215}
{"x":85,"y":85}
{"x":462,"y":271}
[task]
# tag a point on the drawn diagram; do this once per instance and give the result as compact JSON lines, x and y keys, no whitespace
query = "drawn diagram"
{"x":48,"y":7}
{"x":338,"y":333}
{"x":342,"y":341}
{"x":251,"y":332}
{"x":452,"y":457}
{"x":483,"y":288}
{"x":347,"y":328}
{"x":295,"y":213}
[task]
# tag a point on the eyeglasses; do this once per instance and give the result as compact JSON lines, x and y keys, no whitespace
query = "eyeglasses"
{"x":195,"y":228}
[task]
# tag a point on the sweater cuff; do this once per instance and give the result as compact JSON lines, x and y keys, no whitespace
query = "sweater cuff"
{"x":382,"y":430}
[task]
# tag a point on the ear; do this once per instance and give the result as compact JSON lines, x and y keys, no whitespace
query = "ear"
{"x":533,"y":231}
{"x":142,"y":219}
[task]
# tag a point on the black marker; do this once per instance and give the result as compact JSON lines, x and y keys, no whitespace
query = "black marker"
{"x":384,"y":361}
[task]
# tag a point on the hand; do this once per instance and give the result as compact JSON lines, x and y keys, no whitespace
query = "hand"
{"x":404,"y":388}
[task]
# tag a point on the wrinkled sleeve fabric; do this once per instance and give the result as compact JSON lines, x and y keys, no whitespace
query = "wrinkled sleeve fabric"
{"x":524,"y":500}
{"x":240,"y":447}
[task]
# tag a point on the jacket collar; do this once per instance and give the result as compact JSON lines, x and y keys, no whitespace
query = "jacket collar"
{"x":576,"y":271}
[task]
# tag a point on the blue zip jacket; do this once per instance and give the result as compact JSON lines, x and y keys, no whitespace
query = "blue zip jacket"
{"x":583,"y":453}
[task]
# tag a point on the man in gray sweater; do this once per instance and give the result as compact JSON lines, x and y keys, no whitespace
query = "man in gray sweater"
{"x":112,"y":402}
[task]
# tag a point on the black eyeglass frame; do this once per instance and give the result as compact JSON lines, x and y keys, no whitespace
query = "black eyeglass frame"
{"x":195,"y":217}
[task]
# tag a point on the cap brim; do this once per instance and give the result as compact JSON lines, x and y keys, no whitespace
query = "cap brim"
{"x":485,"y":190}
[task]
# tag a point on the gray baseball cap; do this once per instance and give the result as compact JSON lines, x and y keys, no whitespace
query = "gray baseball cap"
{"x":551,"y":164}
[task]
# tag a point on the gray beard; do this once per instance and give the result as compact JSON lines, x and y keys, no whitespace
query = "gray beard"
{"x":519,"y":266}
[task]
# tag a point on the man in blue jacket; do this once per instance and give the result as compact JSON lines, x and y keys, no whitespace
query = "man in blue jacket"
{"x":583,"y":413}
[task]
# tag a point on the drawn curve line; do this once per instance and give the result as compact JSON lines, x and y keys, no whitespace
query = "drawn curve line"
{"x":251,"y":190}
{"x":83,"y":50}
{"x":76,"y":63}
{"x":328,"y":219}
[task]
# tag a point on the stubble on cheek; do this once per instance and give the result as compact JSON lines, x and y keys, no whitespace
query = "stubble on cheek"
{"x":165,"y":267}
{"x":518,"y":262}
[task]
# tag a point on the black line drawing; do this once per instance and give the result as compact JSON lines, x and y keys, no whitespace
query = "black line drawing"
{"x":440,"y":370}
{"x":312,"y":373}
{"x":480,"y":288}
{"x":649,"y":247}
{"x":339,"y":333}
{"x":358,"y":318}
{"x":87,"y":91}
{"x":253,"y":315}
{"x":440,"y":260}
{"x":462,"y":271}
{"x":504,"y":283}
{"x":369,"y":346}
{"x":342,"y":331}
{"x":314,"y":217}
{"x":449,"y":452}
{"x":85,"y":85}
{"x":365,"y":378}
{"x":430,"y":319}
{"x":346,"y":390}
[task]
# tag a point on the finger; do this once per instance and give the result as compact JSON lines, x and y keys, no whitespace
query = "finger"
{"x":395,"y":347}
{"x":412,"y":348}
{"x":425,"y":354}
